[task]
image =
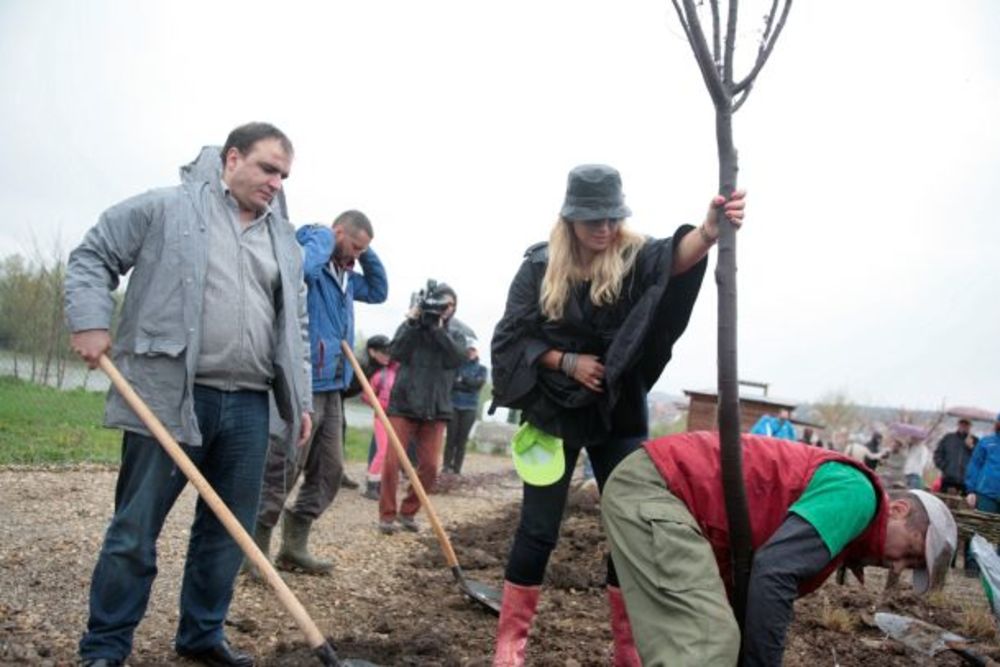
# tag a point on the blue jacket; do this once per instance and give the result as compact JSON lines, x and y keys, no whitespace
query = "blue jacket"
{"x":982,"y":476}
{"x":331,"y":308}
{"x":774,"y":427}
{"x":469,"y":379}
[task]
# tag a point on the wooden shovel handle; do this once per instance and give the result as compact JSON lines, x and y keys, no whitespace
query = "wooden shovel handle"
{"x":226,"y":517}
{"x":449,"y":552}
{"x":970,"y":657}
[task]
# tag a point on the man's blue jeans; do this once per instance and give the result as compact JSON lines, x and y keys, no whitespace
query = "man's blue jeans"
{"x":234,"y":431}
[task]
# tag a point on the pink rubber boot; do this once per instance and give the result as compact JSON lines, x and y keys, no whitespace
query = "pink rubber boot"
{"x":516,"y":614}
{"x":625,"y":652}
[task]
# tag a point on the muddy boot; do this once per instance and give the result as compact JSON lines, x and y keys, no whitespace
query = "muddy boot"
{"x":625,"y":652}
{"x":517,"y":611}
{"x":347,"y":482}
{"x":372,"y":490}
{"x":294,"y":553}
{"x":262,"y":538}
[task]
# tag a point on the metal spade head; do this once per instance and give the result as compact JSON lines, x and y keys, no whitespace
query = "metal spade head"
{"x":925,"y":638}
{"x":487,"y":596}
{"x":327,"y":656}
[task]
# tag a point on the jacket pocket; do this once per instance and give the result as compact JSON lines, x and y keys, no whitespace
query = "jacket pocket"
{"x":158,"y":346}
{"x":683,"y":557}
{"x":158,"y":373}
{"x":159,"y":312}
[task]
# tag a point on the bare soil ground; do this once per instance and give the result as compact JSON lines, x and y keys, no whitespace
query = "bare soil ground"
{"x":391,"y":599}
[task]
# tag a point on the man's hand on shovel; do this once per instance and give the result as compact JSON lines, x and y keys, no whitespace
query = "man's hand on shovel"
{"x":90,"y":344}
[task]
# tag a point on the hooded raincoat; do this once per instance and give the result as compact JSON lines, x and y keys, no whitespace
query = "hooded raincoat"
{"x":161,"y":238}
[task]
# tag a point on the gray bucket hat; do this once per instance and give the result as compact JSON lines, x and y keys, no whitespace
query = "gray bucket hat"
{"x":594,"y":192}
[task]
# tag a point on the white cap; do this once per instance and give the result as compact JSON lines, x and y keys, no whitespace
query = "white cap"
{"x":940,"y":544}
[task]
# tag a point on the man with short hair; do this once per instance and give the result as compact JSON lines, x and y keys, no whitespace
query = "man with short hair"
{"x":952,"y":457}
{"x":330,"y":254}
{"x":210,"y":323}
{"x":811,"y":511}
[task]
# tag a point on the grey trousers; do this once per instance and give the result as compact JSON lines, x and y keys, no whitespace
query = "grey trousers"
{"x":320,"y":464}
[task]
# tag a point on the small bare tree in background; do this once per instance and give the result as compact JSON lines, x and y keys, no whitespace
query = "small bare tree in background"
{"x":839,"y":414}
{"x":728,"y":94}
{"x":33,"y":336}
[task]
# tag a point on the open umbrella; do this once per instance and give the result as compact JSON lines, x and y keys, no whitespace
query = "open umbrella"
{"x":903,"y":430}
{"x":972,"y":414}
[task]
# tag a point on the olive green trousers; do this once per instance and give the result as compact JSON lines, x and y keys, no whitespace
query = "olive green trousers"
{"x":675,"y":597}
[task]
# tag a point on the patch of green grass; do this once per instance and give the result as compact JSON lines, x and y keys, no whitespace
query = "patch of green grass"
{"x":357,"y":443}
{"x":39,"y":424}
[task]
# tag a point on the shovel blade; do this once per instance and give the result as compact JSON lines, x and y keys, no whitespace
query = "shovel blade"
{"x":925,"y":638}
{"x":488,"y":597}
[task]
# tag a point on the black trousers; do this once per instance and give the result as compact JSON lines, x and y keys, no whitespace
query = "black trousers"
{"x":542,"y":511}
{"x":458,"y":436}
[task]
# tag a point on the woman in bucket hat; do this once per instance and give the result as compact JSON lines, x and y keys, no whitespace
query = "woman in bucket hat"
{"x":589,"y":324}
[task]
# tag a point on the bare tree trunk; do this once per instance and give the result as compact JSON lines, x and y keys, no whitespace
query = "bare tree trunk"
{"x":731,"y":451}
{"x":728,"y":94}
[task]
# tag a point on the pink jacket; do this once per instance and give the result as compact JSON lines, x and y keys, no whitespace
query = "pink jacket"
{"x":382,"y":381}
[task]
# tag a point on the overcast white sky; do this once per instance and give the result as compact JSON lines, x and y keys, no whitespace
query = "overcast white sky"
{"x":870,"y":148}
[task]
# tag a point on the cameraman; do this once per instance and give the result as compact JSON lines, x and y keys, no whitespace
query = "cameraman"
{"x":428,"y":352}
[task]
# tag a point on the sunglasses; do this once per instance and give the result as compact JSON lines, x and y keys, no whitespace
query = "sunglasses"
{"x":594,"y":225}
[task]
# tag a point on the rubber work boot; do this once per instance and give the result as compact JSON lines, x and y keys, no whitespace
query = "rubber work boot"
{"x":372,"y":490}
{"x":262,"y":538}
{"x":517,"y":611}
{"x":409,"y":523}
{"x":625,"y":653}
{"x":294,"y":553}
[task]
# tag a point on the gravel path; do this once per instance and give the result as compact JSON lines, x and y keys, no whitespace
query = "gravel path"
{"x":54,"y":521}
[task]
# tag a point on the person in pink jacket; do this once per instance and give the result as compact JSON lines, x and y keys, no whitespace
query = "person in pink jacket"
{"x":381,"y":381}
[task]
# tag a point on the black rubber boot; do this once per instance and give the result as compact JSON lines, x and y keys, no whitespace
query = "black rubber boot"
{"x":262,"y":538}
{"x":372,"y":490}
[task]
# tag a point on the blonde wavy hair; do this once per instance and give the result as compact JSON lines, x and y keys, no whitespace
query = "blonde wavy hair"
{"x":566,"y":268}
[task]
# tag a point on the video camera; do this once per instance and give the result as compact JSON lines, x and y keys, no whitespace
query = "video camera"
{"x":431,"y":302}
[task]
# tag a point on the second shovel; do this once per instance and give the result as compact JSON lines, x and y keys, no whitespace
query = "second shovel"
{"x":486,"y":596}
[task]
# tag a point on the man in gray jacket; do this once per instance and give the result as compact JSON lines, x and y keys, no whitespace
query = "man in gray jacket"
{"x":213,"y":318}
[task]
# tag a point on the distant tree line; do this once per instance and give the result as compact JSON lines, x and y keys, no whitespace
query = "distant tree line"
{"x":34,"y":340}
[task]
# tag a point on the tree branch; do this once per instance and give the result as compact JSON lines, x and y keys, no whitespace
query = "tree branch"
{"x":696,"y":37}
{"x":684,"y":24}
{"x":765,"y":51}
{"x":727,"y":66}
{"x":716,"y":34}
{"x":768,"y":25}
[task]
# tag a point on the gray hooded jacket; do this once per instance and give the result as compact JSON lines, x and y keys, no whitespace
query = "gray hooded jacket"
{"x":161,"y":237}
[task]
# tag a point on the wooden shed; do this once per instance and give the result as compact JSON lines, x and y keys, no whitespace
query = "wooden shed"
{"x":703,"y":403}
